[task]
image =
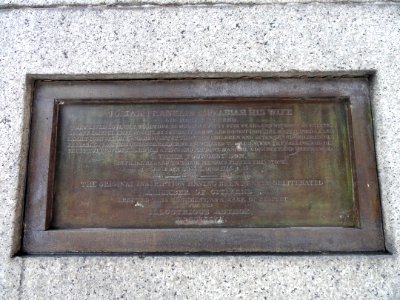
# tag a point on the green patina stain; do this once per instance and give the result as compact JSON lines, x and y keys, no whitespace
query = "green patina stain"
{"x":329,"y":205}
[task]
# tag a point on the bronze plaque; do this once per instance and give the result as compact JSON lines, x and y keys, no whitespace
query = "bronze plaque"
{"x":244,"y":162}
{"x":215,"y":165}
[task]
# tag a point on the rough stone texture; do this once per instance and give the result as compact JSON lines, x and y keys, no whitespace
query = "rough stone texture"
{"x":135,"y":40}
{"x":122,"y":3}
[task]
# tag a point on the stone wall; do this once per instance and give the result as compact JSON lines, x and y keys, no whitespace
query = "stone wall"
{"x":129,"y":39}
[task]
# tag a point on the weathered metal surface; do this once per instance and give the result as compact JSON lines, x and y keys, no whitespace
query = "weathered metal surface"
{"x":239,"y":162}
{"x":202,"y":165}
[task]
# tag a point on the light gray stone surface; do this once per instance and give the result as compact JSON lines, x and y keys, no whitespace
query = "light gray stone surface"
{"x":135,"y":40}
{"x":124,"y":3}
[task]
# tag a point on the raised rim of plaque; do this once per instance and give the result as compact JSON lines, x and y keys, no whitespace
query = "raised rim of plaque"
{"x":202,"y":165}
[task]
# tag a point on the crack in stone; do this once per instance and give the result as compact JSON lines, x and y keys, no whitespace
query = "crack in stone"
{"x":21,"y":279}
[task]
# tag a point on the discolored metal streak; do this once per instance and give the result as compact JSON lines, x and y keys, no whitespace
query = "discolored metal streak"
{"x":169,"y":166}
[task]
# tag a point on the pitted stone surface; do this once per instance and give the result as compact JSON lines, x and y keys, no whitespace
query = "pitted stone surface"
{"x":199,"y":39}
{"x":124,"y":3}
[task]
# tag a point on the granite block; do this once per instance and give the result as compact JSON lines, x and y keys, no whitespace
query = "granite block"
{"x":134,"y":41}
